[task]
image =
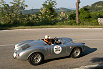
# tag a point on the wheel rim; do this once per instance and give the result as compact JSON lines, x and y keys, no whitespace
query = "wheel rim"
{"x":37,"y":58}
{"x":77,"y":52}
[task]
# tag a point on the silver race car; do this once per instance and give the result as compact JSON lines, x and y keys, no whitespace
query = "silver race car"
{"x":35,"y":51}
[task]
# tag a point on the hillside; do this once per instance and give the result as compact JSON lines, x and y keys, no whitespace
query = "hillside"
{"x":31,"y":11}
{"x":96,"y":6}
{"x":63,"y":10}
{"x":35,"y":11}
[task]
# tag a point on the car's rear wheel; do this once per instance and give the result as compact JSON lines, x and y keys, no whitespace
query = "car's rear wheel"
{"x":76,"y":52}
{"x":35,"y":59}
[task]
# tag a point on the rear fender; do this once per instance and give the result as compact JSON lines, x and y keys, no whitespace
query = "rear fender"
{"x":75,"y":47}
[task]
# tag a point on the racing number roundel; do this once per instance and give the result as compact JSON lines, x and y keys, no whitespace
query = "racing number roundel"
{"x":57,"y":49}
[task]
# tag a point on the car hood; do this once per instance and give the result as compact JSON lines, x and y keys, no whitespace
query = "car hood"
{"x":23,"y":42}
{"x":29,"y":43}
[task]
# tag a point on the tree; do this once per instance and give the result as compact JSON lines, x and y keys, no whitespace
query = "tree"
{"x":48,"y":8}
{"x":48,"y":13}
{"x":4,"y":12}
{"x":11,"y":14}
{"x":72,"y":15}
{"x":16,"y":8}
{"x":84,"y":14}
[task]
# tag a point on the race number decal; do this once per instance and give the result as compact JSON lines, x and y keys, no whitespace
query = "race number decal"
{"x":57,"y":49}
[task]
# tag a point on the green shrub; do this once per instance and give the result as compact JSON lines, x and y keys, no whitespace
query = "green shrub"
{"x":69,"y":22}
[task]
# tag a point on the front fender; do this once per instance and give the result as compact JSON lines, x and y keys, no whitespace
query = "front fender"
{"x":39,"y":50}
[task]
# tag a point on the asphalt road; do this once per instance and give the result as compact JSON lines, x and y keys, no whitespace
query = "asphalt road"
{"x":92,"y":56}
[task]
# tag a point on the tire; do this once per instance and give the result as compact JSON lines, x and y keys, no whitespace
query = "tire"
{"x":35,"y":59}
{"x":76,"y":52}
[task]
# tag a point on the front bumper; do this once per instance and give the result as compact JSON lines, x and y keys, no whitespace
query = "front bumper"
{"x":21,"y":55}
{"x":17,"y":55}
{"x":14,"y":55}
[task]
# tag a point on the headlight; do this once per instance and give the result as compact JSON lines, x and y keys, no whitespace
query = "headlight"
{"x":17,"y":48}
{"x":25,"y":46}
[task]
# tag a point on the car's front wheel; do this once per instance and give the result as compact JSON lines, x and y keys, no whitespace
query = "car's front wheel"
{"x":76,"y":52}
{"x":35,"y":59}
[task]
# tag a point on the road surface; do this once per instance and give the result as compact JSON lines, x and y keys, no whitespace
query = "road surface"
{"x":93,"y":56}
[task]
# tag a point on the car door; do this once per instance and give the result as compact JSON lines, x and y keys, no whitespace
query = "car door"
{"x":55,"y":50}
{"x":58,"y":50}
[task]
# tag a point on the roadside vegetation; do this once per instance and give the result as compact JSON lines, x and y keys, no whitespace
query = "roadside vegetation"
{"x":12,"y":16}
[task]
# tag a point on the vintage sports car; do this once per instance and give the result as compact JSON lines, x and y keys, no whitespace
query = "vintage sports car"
{"x":35,"y":51}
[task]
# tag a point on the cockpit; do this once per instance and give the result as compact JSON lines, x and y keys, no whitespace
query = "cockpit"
{"x":52,"y":41}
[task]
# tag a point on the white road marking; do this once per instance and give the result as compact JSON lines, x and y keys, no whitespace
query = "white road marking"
{"x":60,"y":28}
{"x":89,"y":66}
{"x":57,"y":28}
{"x":6,"y":45}
{"x":91,"y":39}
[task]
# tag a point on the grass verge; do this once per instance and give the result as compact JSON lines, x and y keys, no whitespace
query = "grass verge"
{"x":48,"y":26}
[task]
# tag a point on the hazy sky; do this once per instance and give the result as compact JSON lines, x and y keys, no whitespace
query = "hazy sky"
{"x":35,"y":4}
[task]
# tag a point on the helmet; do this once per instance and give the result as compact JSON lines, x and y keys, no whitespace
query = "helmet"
{"x":47,"y":37}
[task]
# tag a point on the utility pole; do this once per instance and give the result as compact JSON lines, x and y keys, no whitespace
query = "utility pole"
{"x":77,"y":11}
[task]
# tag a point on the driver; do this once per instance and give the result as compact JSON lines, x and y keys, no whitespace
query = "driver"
{"x":47,"y":39}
